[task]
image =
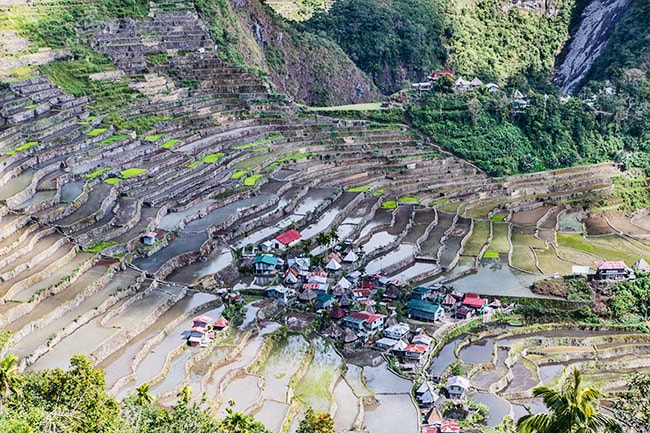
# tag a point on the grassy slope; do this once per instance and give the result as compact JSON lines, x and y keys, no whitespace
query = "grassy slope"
{"x":310,"y":68}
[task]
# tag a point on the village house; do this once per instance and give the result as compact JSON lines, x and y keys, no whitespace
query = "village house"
{"x":317,"y":278}
{"x":301,"y":264}
{"x":287,"y":239}
{"x":386,"y":343}
{"x":149,"y":238}
{"x":281,"y":294}
{"x":449,"y":302}
{"x":457,"y":386}
{"x":350,"y":257}
{"x":412,"y":353}
{"x":363,"y":321}
{"x":421,"y":86}
{"x":333,"y":331}
{"x":464,"y":313}
{"x":324,"y":300}
{"x":197,"y":336}
{"x":424,"y":310}
{"x":291,"y":276}
{"x":201,"y":321}
{"x":353,"y":277}
{"x":307,"y":295}
{"x":220,"y":324}
{"x":641,"y":265}
{"x":337,"y":313}
{"x":433,"y":420}
{"x":268,"y":246}
{"x":475,"y":302}
{"x":449,"y":427}
{"x":398,"y":331}
{"x":439,"y":74}
{"x":343,"y":284}
{"x":613,"y":270}
{"x":426,"y":395}
{"x":422,"y":339}
{"x":266,"y":264}
{"x":462,"y":85}
{"x":361,"y":294}
{"x":333,"y":265}
{"x":349,"y":338}
{"x":421,"y":293}
{"x":318,"y":288}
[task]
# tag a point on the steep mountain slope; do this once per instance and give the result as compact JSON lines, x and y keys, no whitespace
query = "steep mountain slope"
{"x":391,"y":41}
{"x":308,"y":67}
{"x":499,"y":39}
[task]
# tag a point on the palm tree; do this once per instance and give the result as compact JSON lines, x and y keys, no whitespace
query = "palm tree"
{"x":323,"y":239}
{"x":142,"y":394}
{"x":307,"y":245}
{"x":185,"y":395}
{"x":572,"y":410}
{"x":10,"y":379}
{"x":334,"y":235}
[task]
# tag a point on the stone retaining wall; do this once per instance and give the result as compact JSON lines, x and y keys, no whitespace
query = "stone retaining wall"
{"x":79,"y":321}
{"x":39,"y":276}
{"x":120,"y":339}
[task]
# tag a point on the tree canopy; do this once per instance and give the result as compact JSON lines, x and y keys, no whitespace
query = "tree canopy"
{"x":574,"y":409}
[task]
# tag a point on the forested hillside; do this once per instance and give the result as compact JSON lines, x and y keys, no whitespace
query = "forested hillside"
{"x":391,"y":42}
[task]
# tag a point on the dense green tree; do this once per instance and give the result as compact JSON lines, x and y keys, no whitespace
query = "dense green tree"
{"x":237,"y":422}
{"x":316,"y":422}
{"x":10,"y":380}
{"x":69,"y":401}
{"x":389,"y":41}
{"x":572,"y":410}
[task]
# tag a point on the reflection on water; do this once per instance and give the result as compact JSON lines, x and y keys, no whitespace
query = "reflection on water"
{"x":478,"y":352}
{"x":498,"y":407}
{"x":496,"y":279}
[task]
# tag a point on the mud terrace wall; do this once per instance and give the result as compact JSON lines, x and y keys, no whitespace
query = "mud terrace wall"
{"x":118,"y":340}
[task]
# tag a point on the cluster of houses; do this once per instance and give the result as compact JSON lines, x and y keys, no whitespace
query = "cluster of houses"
{"x":460,"y":84}
{"x":433,"y":302}
{"x":203,"y":329}
{"x":352,"y":301}
{"x":430,"y":401}
{"x":612,"y":270}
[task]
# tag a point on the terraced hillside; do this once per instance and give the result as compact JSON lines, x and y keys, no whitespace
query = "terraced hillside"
{"x":505,"y":366}
{"x":207,"y":158}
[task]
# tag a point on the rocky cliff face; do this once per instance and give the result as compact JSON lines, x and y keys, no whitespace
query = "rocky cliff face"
{"x":596,"y":25}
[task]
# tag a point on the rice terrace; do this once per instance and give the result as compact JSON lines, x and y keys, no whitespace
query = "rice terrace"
{"x":188,"y":227}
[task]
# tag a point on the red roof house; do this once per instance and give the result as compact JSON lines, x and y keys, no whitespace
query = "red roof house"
{"x":288,"y":237}
{"x":416,"y":348}
{"x":370,"y":318}
{"x":361,"y":293}
{"x":201,"y":321}
{"x":337,"y":313}
{"x":449,"y":427}
{"x":221,"y":323}
{"x":612,"y":270}
{"x":438,"y":74}
{"x":609,"y":265}
{"x":473,"y":300}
